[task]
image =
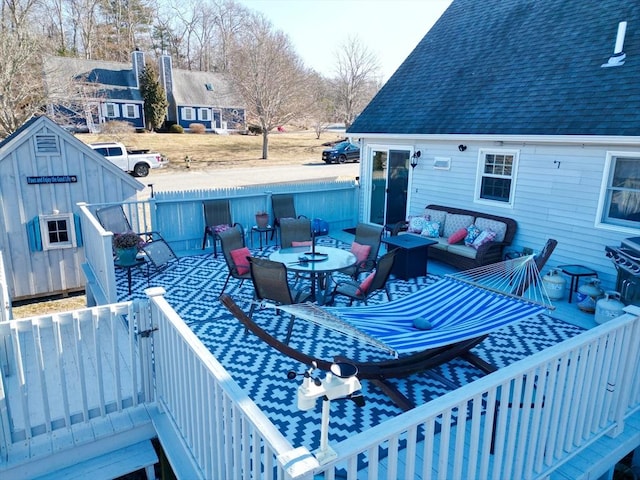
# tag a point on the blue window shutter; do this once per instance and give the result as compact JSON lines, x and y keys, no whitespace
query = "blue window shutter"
{"x":78,"y":227}
{"x":33,"y":233}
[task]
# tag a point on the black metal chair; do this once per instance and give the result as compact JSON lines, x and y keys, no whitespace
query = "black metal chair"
{"x":235,"y":253}
{"x":113,"y":219}
{"x":367,"y":235}
{"x":158,"y":257}
{"x":270,"y":283}
{"x":283,"y":207}
{"x":294,"y":230}
{"x":377,"y":280}
{"x":217,"y":218}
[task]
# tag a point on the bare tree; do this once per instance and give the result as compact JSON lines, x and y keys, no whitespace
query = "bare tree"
{"x":229,"y":19}
{"x":269,"y":76}
{"x":21,"y":88}
{"x":355,"y":78}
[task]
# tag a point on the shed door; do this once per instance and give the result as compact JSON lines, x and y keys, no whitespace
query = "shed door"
{"x":389,"y":186}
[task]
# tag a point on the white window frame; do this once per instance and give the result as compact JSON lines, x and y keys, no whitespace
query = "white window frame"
{"x":606,"y":195}
{"x":204,"y":114}
{"x":481,"y":174}
{"x":130,"y":107}
{"x":113,"y":107}
{"x":188,"y":113}
{"x":47,"y":244}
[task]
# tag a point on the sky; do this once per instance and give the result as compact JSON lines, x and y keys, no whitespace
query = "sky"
{"x":317,"y":28}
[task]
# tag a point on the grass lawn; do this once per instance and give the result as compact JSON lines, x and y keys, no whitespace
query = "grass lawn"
{"x":221,"y":151}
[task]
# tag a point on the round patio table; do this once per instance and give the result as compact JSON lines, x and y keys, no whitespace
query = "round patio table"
{"x":325,"y":261}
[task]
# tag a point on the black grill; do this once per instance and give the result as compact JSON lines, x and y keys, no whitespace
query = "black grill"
{"x":626,"y":259}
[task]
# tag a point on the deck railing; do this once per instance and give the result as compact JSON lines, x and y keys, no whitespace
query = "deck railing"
{"x":68,"y":370}
{"x":523,"y":421}
{"x":218,"y":426}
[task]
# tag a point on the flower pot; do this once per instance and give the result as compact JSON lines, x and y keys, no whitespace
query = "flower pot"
{"x":262,"y":220}
{"x":126,"y":256}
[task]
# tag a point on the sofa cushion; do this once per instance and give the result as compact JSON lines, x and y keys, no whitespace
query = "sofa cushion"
{"x":436,"y":216}
{"x":455,"y":222}
{"x":472,"y":234}
{"x":463,"y":251}
{"x":431,"y":229}
{"x":500,"y":228}
{"x":441,"y":245}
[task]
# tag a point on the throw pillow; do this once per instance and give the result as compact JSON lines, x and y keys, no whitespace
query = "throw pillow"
{"x":436,"y":216}
{"x":416,"y":224}
{"x":306,"y":243}
{"x":485,"y":236}
{"x":494,"y":225}
{"x":239,"y":256}
{"x":360,"y":251}
{"x":221,"y":228}
{"x":457,"y":236}
{"x":472,"y":234}
{"x":363,"y":289}
{"x":431,"y":230}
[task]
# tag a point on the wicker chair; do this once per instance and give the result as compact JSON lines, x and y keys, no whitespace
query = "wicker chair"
{"x":270,"y":283}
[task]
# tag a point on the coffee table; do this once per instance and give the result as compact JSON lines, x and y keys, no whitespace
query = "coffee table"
{"x":318,"y":266}
{"x":412,"y":255}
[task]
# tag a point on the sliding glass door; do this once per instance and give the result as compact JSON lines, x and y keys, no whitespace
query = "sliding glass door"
{"x":389,"y":186}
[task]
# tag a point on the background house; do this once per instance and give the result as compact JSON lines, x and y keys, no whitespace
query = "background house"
{"x":44,"y":173}
{"x":521,"y":109}
{"x":91,"y":92}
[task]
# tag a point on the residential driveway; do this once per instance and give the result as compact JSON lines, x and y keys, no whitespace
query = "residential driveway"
{"x":165,"y":180}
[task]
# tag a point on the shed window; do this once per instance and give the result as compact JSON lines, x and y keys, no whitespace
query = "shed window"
{"x":57,"y":231}
{"x":620,"y":199}
{"x":496,"y":176}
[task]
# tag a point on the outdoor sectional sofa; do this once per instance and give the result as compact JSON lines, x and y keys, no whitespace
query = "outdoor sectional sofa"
{"x":451,"y":248}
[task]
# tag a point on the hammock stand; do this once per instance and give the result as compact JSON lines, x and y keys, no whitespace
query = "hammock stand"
{"x":421,"y":357}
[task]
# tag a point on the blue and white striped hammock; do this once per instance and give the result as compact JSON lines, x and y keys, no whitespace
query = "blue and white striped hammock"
{"x":456,"y":310}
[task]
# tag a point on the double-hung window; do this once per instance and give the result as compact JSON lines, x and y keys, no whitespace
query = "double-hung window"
{"x":188,"y":113}
{"x":111,"y":110}
{"x":620,"y":197}
{"x":496,"y":177}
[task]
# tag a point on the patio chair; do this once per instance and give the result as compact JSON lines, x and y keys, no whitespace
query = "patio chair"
{"x":293,"y":230}
{"x":158,"y":257}
{"x":365,"y":247}
{"x":113,"y":219}
{"x":235,"y":254}
{"x":283,"y":207}
{"x":270,"y":283}
{"x":375,"y":281}
{"x":217,"y":218}
{"x":540,"y":261}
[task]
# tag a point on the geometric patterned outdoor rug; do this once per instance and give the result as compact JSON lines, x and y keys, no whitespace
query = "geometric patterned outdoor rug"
{"x":193,"y":286}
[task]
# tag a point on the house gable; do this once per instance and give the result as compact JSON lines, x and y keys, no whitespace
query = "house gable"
{"x":516,"y":67}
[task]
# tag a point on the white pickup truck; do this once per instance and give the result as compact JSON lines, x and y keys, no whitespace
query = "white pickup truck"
{"x":136,"y":162}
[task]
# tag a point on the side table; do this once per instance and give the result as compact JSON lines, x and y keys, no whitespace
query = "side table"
{"x":576,"y":272}
{"x":128,"y":266}
{"x":264,"y":231}
{"x":413,"y":252}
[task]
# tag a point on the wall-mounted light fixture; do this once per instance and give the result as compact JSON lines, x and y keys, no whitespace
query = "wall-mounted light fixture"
{"x":414,"y":158}
{"x":462,"y":148}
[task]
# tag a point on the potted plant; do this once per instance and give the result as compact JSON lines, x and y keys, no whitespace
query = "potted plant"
{"x":126,"y":246}
{"x":262,"y":219}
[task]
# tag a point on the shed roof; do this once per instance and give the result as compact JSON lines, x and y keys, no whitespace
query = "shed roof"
{"x":525,"y":67}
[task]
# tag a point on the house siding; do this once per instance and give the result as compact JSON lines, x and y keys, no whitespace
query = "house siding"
{"x":552,"y":200}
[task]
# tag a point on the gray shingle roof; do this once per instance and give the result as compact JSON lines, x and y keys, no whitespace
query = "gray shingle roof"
{"x":527,"y":67}
{"x":189,"y":88}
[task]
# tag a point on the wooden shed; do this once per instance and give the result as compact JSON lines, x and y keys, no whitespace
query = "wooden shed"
{"x":44,"y":172}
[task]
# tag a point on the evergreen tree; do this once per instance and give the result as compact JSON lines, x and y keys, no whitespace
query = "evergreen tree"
{"x":155,"y":99}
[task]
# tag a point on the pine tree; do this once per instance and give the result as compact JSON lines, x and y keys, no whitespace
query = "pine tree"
{"x":155,"y":99}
